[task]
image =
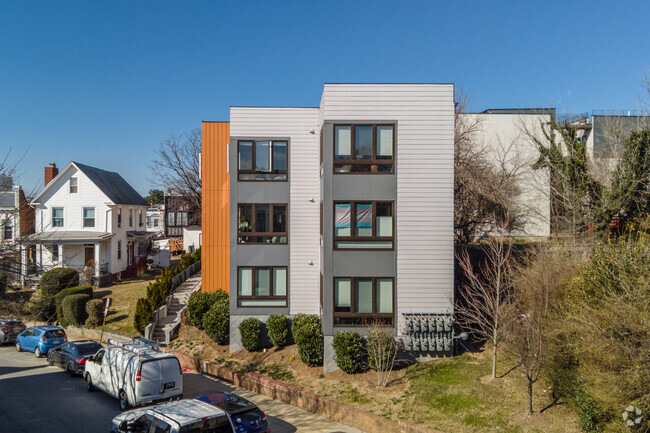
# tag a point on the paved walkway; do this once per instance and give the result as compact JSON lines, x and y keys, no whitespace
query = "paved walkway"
{"x":179,"y":300}
{"x":283,"y":417}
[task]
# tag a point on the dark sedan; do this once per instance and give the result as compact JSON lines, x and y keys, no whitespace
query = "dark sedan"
{"x":72,"y":356}
{"x":9,"y":330}
{"x":245,"y":416}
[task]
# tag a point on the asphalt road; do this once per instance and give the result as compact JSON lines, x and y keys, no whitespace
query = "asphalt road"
{"x":38,"y":398}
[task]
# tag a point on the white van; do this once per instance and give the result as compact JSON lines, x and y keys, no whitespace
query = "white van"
{"x":134,"y":374}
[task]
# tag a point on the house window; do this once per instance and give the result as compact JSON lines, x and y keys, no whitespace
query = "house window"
{"x":130,"y":217}
{"x":8,"y":232}
{"x":361,"y":301}
{"x":57,"y":217}
{"x":89,"y":217}
{"x":364,"y":148}
{"x":155,"y":222}
{"x":262,"y":224}
{"x":262,"y":160}
{"x":119,"y":217}
{"x":170,"y":219}
{"x":363,"y":225}
{"x":140,"y":217}
{"x":262,"y":286}
{"x":74,"y":185}
{"x":182,"y":219}
{"x":55,"y":253}
{"x":119,"y":250}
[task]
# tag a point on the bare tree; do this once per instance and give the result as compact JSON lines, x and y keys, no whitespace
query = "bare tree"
{"x":178,"y":167}
{"x":483,"y":305}
{"x":382,"y":349}
{"x":537,"y":288}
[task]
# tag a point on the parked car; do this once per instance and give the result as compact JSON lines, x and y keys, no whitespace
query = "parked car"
{"x":183,"y":416}
{"x":135,"y":375}
{"x":40,"y":339}
{"x":72,"y":356}
{"x":245,"y":416}
{"x":9,"y":330}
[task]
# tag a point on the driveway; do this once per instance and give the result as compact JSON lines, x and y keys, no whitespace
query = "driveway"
{"x":37,"y":398}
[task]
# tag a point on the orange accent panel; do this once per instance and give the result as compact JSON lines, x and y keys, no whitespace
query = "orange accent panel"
{"x":215,"y":207}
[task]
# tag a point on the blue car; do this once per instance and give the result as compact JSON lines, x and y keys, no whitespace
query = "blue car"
{"x":40,"y":339}
{"x":245,"y":416}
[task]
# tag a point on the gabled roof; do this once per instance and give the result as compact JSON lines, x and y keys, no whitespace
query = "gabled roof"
{"x":109,"y":182}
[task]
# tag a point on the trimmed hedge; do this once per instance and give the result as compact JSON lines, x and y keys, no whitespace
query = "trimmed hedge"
{"x":278,"y":329}
{"x":199,"y":304}
{"x":347,"y":350}
{"x":142,"y":315}
{"x":59,"y":297}
{"x":250,"y":333}
{"x":52,"y":282}
{"x":216,"y":321}
{"x":74,"y":309}
{"x":308,"y":335}
{"x":95,"y":312}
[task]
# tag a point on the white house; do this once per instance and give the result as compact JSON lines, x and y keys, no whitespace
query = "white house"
{"x":89,"y":219}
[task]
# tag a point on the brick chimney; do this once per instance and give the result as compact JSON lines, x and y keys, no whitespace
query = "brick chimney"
{"x":50,"y":172}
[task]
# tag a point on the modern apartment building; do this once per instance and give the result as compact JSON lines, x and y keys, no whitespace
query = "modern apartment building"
{"x":344,"y":210}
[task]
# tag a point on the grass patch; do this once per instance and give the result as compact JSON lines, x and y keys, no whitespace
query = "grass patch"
{"x":274,"y":371}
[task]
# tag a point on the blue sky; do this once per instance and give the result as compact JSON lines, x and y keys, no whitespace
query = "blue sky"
{"x":103,"y":82}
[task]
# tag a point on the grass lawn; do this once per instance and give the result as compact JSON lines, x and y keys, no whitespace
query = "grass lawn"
{"x":124,"y":295}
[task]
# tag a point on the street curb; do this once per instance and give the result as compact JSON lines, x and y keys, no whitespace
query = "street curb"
{"x":307,"y":400}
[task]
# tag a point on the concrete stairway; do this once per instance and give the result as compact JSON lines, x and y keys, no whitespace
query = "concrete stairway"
{"x":178,"y":302}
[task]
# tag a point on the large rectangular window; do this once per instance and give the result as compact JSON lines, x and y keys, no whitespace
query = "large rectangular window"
{"x":262,"y":224}
{"x":262,"y":286}
{"x":89,"y":217}
{"x":363,"y":300}
{"x":364,"y":148}
{"x":262,"y":160}
{"x":363,"y":225}
{"x":57,"y":217}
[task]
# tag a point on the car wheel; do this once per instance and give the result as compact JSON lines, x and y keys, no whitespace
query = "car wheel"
{"x":50,"y":361}
{"x":37,"y":352}
{"x":18,"y":348}
{"x":69,"y":369}
{"x":89,"y":383}
{"x":124,"y":403}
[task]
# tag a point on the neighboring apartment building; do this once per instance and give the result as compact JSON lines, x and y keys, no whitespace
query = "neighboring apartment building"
{"x":16,"y":221}
{"x":343,"y":210}
{"x":89,"y":219}
{"x":179,"y":214}
{"x":503,"y":136}
{"x":156,"y":220}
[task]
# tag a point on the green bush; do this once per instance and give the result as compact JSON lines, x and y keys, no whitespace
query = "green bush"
{"x":59,"y":297}
{"x":74,"y":309}
{"x":199,"y":303}
{"x":95,"y":312}
{"x":278,"y":328}
{"x":43,"y":311}
{"x":197,"y":254}
{"x":347,"y":349}
{"x":250,"y":333}
{"x":308,"y":335}
{"x":52,"y":282}
{"x":142,"y":315}
{"x":216,"y":321}
{"x":186,"y":261}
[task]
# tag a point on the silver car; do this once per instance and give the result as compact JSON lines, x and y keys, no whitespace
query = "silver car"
{"x":9,"y":330}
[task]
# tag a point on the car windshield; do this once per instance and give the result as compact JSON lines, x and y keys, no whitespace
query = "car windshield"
{"x":86,"y":349}
{"x":57,"y":333}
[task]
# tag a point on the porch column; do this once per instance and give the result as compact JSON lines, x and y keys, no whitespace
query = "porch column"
{"x":23,"y":265}
{"x":97,"y":259}
{"x":60,"y":248}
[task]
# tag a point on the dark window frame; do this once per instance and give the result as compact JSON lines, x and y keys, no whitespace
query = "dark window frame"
{"x":373,"y":162}
{"x":119,"y":217}
{"x":263,"y":234}
{"x":365,"y":318}
{"x":255,"y":297}
{"x":8,"y":229}
{"x":369,"y":239}
{"x":253,"y":157}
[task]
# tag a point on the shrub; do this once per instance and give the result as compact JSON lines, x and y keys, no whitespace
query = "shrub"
{"x":347,"y":349}
{"x":95,"y":312}
{"x":142,"y":315}
{"x":250,"y":333}
{"x":197,"y":254}
{"x":74,"y":309}
{"x":308,"y":334}
{"x":3,"y":283}
{"x":43,"y":311}
{"x":59,"y":297}
{"x":216,"y":321}
{"x":382,"y":349}
{"x":278,"y":327}
{"x":199,"y":303}
{"x":186,"y":261}
{"x":52,"y":282}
